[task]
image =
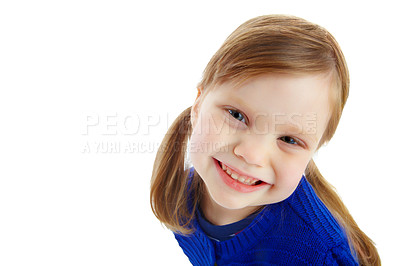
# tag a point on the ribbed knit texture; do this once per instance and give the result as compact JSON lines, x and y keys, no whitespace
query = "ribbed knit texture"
{"x":297,"y":231}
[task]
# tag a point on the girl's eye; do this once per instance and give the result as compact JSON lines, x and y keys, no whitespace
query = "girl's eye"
{"x":290,"y":140}
{"x":237,"y":115}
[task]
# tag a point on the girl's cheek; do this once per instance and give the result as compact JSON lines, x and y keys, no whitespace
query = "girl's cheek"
{"x":218,"y":131}
{"x":292,"y":175}
{"x":210,"y":136}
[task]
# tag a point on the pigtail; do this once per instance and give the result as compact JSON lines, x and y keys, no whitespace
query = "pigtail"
{"x":362,"y":244}
{"x":169,"y":195}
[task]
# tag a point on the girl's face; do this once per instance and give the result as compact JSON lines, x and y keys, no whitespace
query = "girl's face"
{"x":266,"y":131}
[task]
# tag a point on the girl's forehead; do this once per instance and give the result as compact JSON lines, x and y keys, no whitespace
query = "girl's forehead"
{"x":280,"y":91}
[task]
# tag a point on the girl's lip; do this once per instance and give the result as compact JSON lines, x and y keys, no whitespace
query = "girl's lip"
{"x":236,"y":185}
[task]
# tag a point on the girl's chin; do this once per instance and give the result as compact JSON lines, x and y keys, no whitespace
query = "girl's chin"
{"x":229,"y":199}
{"x":230,"y":202}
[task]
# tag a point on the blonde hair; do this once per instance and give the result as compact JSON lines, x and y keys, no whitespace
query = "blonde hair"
{"x":265,"y":44}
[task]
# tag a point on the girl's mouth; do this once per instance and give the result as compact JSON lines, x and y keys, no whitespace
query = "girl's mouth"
{"x":240,"y":178}
{"x":238,"y":182}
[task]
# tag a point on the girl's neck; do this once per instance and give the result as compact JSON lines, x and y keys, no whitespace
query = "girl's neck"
{"x":219,"y":215}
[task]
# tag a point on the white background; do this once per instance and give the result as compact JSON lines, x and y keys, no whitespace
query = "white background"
{"x":125,"y":65}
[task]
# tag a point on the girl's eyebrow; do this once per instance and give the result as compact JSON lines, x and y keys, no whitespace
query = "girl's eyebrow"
{"x":290,"y":127}
{"x":299,"y":130}
{"x":241,"y":103}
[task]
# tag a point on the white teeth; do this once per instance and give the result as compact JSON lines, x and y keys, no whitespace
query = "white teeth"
{"x":242,"y":179}
{"x":234,"y":176}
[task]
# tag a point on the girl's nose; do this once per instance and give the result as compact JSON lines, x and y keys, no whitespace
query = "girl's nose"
{"x":256,"y":150}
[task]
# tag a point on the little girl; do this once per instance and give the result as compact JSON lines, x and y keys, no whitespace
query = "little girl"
{"x":270,"y":97}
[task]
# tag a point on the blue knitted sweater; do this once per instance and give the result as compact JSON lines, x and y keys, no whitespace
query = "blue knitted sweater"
{"x":297,"y":231}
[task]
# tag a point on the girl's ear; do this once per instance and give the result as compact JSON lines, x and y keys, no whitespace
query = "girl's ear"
{"x":196,"y":107}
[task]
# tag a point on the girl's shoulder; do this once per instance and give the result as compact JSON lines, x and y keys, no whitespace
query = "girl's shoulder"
{"x":308,"y":213}
{"x":305,"y":230}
